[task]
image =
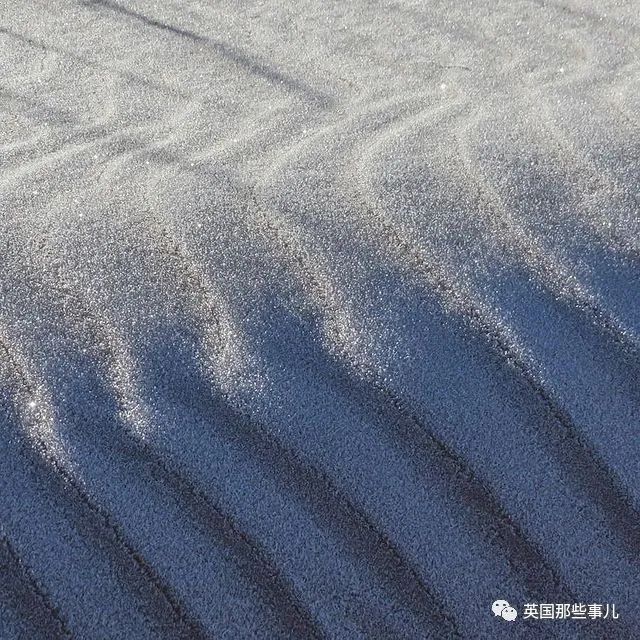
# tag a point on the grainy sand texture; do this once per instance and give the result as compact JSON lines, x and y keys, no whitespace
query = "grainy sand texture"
{"x":318,"y":319}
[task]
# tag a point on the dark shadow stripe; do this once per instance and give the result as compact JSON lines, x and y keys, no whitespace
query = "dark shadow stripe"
{"x":332,"y":509}
{"x":237,"y":56}
{"x":20,"y":590}
{"x":128,"y":76}
{"x":568,"y":446}
{"x":593,"y":474}
{"x":338,"y":512}
{"x":58,"y":117}
{"x":251,"y":558}
{"x":590,"y":472}
{"x":592,"y":18}
{"x":94,"y":522}
{"x":419,"y":444}
{"x":626,"y":344}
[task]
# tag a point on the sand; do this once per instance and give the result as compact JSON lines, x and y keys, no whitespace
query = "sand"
{"x":318,"y":319}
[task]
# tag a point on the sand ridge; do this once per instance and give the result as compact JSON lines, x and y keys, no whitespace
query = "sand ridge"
{"x":318,"y":320}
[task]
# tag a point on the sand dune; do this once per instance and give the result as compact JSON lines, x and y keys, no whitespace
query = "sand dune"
{"x":319,"y":320}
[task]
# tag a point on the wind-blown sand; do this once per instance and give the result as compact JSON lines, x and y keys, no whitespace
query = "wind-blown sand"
{"x":318,"y":319}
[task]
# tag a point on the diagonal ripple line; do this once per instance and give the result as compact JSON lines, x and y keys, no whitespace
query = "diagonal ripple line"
{"x":92,"y":514}
{"x":316,"y":489}
{"x":253,"y":559}
{"x":237,"y":56}
{"x":611,"y":497}
{"x":56,"y":626}
{"x":522,"y":553}
{"x":339,"y":512}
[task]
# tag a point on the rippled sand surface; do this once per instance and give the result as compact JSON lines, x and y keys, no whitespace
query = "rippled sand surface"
{"x":318,"y":319}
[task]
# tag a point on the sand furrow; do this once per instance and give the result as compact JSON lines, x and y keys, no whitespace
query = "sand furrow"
{"x":318,"y":319}
{"x":89,"y":515}
{"x":497,"y":524}
{"x":20,"y":588}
